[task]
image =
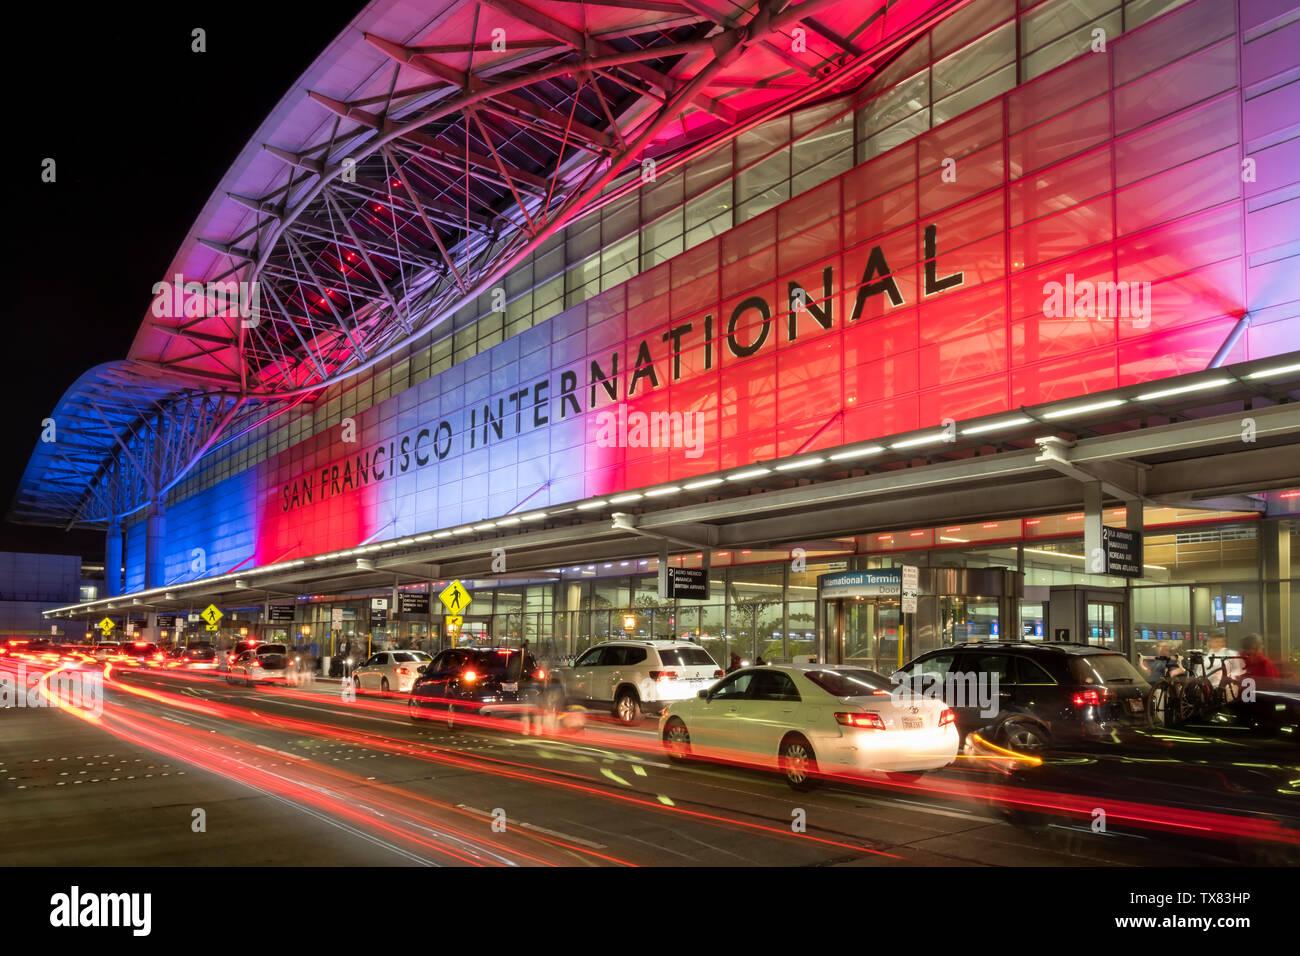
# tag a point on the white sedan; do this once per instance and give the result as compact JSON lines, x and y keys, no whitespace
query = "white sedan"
{"x":266,"y":663}
{"x":390,"y":670}
{"x":809,"y":717}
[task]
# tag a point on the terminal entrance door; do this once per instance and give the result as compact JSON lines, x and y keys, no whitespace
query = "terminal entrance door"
{"x":866,"y":632}
{"x":1104,"y":622}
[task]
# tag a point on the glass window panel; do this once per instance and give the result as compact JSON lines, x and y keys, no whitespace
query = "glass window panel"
{"x":662,"y":195}
{"x":619,"y":219}
{"x":1053,"y":20}
{"x":1139,"y":12}
{"x":761,"y":141}
{"x":662,"y":230}
{"x":761,"y":204}
{"x":708,"y":170}
{"x":824,"y":142}
{"x":767,"y":174}
{"x":840,"y":163}
{"x":582,"y":241}
{"x":1060,"y":51}
{"x":814,"y":116}
{"x":979,"y":92}
{"x":968,"y":23}
{"x":975,"y":61}
{"x":896,"y":135}
{"x":709,"y":206}
{"x":895,"y":104}
{"x":662,"y":254}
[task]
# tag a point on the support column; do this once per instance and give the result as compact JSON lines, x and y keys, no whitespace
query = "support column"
{"x":113,"y":559}
{"x":1094,"y":553}
{"x":1275,"y":589}
{"x":154,"y":544}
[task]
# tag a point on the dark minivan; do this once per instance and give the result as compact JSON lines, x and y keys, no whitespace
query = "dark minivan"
{"x":1027,"y":695}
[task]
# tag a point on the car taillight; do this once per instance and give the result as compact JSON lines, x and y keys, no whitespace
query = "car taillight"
{"x":540,"y":674}
{"x":719,"y":673}
{"x":257,"y":663}
{"x":861,"y":721}
{"x":403,"y":671}
{"x":949,"y":716}
{"x":469,"y":675}
{"x":663,"y":675}
{"x":1090,"y":698}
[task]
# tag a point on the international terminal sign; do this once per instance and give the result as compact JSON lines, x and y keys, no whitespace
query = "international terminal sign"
{"x":1049,"y":260}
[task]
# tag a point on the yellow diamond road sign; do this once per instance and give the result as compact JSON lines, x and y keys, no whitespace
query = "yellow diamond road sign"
{"x":106,"y":625}
{"x":211,"y":614}
{"x":454,"y":624}
{"x":455,"y":597}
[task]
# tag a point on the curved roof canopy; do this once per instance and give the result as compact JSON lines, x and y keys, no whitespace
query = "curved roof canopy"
{"x":428,"y":150}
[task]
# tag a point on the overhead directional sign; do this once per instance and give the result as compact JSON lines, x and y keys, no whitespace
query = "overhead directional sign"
{"x":455,"y":597}
{"x":1123,"y":551}
{"x":211,"y":614}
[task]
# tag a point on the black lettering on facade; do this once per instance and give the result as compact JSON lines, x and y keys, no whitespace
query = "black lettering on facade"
{"x":675,"y":334}
{"x":568,"y":385}
{"x":933,"y":283}
{"x":876,"y":266}
{"x":539,"y":403}
{"x":598,"y":378}
{"x":733,"y":345}
{"x":644,"y":368}
{"x":823,"y":314}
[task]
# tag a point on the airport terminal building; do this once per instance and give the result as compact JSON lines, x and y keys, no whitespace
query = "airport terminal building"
{"x":1007,"y":291}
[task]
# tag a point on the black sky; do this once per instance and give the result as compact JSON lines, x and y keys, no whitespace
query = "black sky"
{"x":142,"y":129}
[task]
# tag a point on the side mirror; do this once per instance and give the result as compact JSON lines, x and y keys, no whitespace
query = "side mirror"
{"x":702,"y":694}
{"x":422,"y":668}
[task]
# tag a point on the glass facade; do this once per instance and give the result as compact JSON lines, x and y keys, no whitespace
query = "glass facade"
{"x":972,"y":57}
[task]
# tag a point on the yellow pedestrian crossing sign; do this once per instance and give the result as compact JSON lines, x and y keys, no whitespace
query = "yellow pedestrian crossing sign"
{"x":106,"y":625}
{"x":454,"y":623}
{"x":455,"y":597}
{"x":211,"y":614}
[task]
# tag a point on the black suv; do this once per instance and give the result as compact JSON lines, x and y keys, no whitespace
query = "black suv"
{"x":492,"y":681}
{"x":1045,"y":693}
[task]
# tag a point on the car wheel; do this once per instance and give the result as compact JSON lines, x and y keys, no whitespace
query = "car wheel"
{"x":677,"y":740}
{"x":626,"y":707}
{"x":798,"y":762}
{"x":413,"y":709}
{"x":451,"y":717}
{"x":383,"y":685}
{"x":1021,"y":734}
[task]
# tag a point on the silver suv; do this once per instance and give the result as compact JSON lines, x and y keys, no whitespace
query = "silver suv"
{"x":636,"y":677}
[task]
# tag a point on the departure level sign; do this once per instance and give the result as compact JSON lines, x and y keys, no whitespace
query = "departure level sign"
{"x":280,"y":614}
{"x":689,"y":583}
{"x":1123,"y":551}
{"x":455,"y":598}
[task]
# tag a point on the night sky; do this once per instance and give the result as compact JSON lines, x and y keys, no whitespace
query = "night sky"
{"x":142,"y":129}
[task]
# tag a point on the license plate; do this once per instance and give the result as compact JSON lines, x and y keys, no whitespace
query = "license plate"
{"x":913,"y":723}
{"x":1135,"y":705}
{"x":510,"y":687}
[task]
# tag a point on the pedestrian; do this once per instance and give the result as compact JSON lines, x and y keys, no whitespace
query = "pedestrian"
{"x":1163,"y":663}
{"x":1257,"y":663}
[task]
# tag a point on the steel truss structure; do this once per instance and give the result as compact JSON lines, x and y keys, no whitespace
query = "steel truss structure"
{"x":426,"y":153}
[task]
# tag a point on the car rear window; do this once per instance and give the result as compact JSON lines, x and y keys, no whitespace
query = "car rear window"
{"x":401,"y":658}
{"x":686,"y":657}
{"x":273,"y":649}
{"x":1104,"y":669}
{"x":849,"y":683}
{"x":499,"y":661}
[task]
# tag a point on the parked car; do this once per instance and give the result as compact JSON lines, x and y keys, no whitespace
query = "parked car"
{"x":808,"y":717}
{"x":238,"y":651}
{"x":636,"y":677}
{"x":1044,"y":692}
{"x":492,"y":681}
{"x":266,"y":663}
{"x":390,"y":669}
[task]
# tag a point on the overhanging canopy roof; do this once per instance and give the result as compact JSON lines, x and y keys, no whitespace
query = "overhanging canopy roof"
{"x":429,"y":149}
